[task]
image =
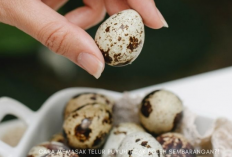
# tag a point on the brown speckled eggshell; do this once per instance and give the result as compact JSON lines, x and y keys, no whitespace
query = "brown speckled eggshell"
{"x":140,"y":144}
{"x":160,"y":111}
{"x":117,"y":134}
{"x":65,"y":154}
{"x":120,"y":38}
{"x":88,"y":126}
{"x":43,"y":149}
{"x":85,"y":98}
{"x":171,"y":142}
{"x":58,"y":138}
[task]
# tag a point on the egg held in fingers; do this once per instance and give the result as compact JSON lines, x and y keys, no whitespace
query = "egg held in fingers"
{"x":121,"y":37}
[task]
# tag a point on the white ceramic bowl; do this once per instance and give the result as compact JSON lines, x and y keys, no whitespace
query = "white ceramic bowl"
{"x":209,"y":95}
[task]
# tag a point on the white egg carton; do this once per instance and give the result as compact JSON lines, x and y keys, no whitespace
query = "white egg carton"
{"x":208,"y":95}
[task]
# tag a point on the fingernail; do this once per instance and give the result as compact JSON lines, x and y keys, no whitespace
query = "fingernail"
{"x":162,"y":19}
{"x":91,"y":64}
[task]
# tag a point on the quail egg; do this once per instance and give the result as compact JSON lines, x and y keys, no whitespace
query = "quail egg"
{"x":85,"y":98}
{"x":58,"y":138}
{"x":160,"y":111}
{"x":121,"y":37}
{"x":140,"y":144}
{"x":117,"y":134}
{"x":62,"y":154}
{"x":46,"y":148}
{"x":88,"y":126}
{"x":176,"y":145}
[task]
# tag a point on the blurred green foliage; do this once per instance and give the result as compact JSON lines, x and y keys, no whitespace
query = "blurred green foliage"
{"x":15,"y":42}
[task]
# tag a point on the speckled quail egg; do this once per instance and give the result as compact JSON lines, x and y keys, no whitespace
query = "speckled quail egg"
{"x":176,"y":145}
{"x":88,"y":126}
{"x":140,"y":144}
{"x":46,"y":148}
{"x":58,"y":138}
{"x":117,"y":134}
{"x":62,"y":154}
{"x":85,"y":98}
{"x":120,"y":38}
{"x":160,"y":111}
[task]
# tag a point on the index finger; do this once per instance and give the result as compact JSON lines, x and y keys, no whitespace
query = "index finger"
{"x":146,"y":8}
{"x":56,"y":32}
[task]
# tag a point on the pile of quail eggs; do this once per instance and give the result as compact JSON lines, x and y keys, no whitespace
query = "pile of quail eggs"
{"x":88,"y":124}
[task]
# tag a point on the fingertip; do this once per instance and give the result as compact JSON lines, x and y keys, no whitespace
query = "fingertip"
{"x":162,"y":19}
{"x":91,"y":64}
{"x":153,"y":26}
{"x":99,"y":71}
{"x":115,"y":6}
{"x":158,"y":22}
{"x":149,"y":12}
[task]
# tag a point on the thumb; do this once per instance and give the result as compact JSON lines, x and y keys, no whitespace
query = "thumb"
{"x":59,"y":35}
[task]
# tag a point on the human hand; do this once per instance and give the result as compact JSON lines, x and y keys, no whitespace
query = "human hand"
{"x":65,"y":35}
